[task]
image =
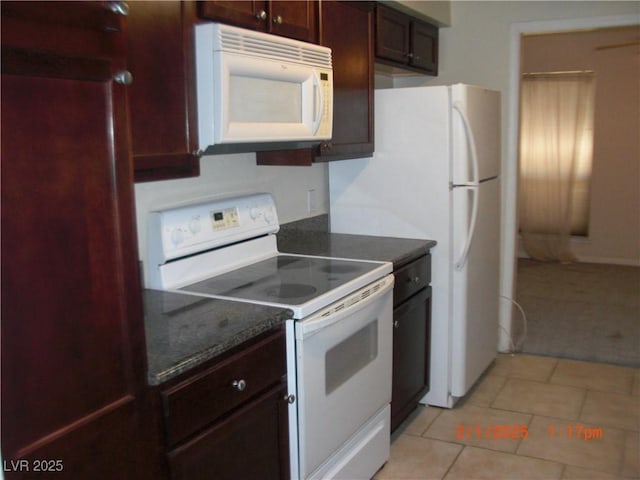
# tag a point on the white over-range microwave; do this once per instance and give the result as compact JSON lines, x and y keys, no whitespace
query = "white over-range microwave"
{"x":256,"y":88}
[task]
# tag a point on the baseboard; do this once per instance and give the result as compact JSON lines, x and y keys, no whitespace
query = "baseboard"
{"x":630,"y":262}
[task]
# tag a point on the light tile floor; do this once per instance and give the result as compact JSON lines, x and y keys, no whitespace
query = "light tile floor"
{"x":528,"y":417}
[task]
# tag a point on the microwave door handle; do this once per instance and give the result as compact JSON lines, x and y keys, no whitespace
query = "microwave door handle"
{"x":318,"y":101}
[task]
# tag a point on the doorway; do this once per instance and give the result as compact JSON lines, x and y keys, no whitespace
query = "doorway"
{"x":585,"y":250}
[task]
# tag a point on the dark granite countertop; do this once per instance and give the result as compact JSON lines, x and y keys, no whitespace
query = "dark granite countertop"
{"x":183,"y":330}
{"x":312,"y":238}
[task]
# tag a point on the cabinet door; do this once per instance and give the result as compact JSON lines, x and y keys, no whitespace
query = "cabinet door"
{"x":294,"y":19}
{"x":392,"y":34}
{"x":242,"y":13}
{"x":411,"y":337}
{"x":348,"y":31}
{"x":424,"y":41}
{"x":73,"y":358}
{"x":290,"y":18}
{"x":161,"y":58}
{"x":251,"y":443}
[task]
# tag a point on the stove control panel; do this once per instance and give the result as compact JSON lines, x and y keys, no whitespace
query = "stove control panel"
{"x":192,"y":229}
{"x":227,"y":218}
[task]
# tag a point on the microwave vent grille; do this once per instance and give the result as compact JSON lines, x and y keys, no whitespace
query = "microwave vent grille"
{"x":236,"y":40}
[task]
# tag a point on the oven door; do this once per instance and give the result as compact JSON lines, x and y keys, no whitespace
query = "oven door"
{"x":344,"y":355}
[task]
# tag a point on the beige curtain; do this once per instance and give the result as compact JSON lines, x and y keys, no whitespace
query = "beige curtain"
{"x":556,"y":137}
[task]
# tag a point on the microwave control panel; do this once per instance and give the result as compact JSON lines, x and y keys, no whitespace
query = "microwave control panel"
{"x":326,"y":121}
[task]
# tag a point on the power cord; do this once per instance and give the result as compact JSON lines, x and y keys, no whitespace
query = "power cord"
{"x":515,"y":347}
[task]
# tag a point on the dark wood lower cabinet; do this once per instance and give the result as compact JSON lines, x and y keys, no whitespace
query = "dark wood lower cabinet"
{"x":244,"y":445}
{"x":411,"y":337}
{"x":216,"y":428}
{"x":411,"y":332}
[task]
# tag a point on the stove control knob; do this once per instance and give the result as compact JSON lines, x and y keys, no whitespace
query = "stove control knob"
{"x":176,"y":236}
{"x":268,"y":216}
{"x":254,"y":213}
{"x":194,"y":225}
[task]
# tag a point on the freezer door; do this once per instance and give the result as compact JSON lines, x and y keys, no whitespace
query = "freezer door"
{"x":475,"y":126}
{"x":474,"y":290}
{"x":403,"y":191}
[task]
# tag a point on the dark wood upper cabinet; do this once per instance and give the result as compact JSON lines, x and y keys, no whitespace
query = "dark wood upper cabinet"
{"x":162,"y":97}
{"x":424,"y":38}
{"x":346,"y":28}
{"x":405,"y":42}
{"x":72,"y":339}
{"x":289,"y":18}
{"x":393,"y":30}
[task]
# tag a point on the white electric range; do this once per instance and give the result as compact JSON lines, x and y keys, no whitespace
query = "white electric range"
{"x":339,"y":343}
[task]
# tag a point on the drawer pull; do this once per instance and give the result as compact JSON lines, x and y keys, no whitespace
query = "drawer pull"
{"x":239,"y":385}
{"x":123,"y":77}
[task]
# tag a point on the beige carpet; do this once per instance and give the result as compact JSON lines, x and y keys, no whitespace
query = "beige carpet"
{"x":583,"y":311}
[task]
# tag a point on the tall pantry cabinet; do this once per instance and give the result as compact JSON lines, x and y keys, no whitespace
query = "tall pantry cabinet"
{"x":72,"y":338}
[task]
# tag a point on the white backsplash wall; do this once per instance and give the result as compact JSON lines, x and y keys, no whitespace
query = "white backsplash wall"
{"x":229,"y":175}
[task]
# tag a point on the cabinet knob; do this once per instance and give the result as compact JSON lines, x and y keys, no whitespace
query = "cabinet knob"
{"x":261,"y":15}
{"x":326,"y":147}
{"x":239,"y":385}
{"x":290,"y":398}
{"x":396,"y":324}
{"x":121,"y":8}
{"x":123,"y":78}
{"x":277,"y":20}
{"x":409,"y":55}
{"x":197,"y":153}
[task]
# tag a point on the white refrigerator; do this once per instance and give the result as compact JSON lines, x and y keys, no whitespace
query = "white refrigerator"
{"x":435,"y":175}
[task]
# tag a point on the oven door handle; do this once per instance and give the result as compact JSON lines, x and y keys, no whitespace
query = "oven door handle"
{"x":347,"y":306}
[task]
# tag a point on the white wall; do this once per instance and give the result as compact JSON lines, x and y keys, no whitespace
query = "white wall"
{"x":482,"y":47}
{"x":438,"y":11}
{"x":228,"y":175}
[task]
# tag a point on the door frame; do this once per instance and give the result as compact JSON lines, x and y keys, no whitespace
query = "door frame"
{"x":510,"y":327}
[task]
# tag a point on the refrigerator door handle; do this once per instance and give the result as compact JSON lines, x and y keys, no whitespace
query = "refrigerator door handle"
{"x":458,"y":107}
{"x":459,"y":265}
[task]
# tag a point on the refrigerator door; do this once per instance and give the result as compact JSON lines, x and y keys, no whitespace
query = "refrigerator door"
{"x":474,"y":312}
{"x":475,"y":115}
{"x":403,"y":191}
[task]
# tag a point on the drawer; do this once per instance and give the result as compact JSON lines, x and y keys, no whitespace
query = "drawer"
{"x":411,"y":278}
{"x":193,"y":404}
